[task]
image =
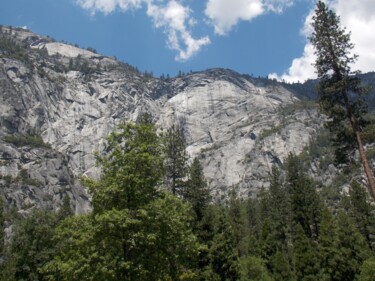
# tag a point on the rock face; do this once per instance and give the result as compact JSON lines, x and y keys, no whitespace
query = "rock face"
{"x":72,"y":98}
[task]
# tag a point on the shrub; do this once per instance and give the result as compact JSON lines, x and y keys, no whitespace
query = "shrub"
{"x":32,"y":140}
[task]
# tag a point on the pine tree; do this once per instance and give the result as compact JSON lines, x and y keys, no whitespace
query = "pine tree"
{"x":338,"y":85}
{"x":304,"y":202}
{"x":305,"y":256}
{"x":254,"y":222}
{"x":253,"y":268}
{"x":329,"y":253}
{"x":176,"y":160}
{"x":280,"y":213}
{"x":223,"y":255}
{"x":362,"y":212}
{"x":281,"y":267}
{"x":352,"y":246}
{"x":237,"y":216}
{"x":197,"y":192}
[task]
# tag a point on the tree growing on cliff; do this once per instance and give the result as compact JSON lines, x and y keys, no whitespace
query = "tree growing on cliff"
{"x":340,"y":91}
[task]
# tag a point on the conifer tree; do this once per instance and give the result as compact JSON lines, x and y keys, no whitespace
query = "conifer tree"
{"x":329,"y":253}
{"x":305,"y":204}
{"x":238,"y":222}
{"x":280,"y":213}
{"x":197,"y":192}
{"x":281,"y":267}
{"x":305,"y":256}
{"x":253,"y":268}
{"x":223,"y":255}
{"x":338,"y":86}
{"x":268,"y":244}
{"x":352,"y":246}
{"x":176,"y":160}
{"x":362,"y":212}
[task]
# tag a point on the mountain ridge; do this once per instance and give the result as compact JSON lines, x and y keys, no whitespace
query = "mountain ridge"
{"x":239,"y":126}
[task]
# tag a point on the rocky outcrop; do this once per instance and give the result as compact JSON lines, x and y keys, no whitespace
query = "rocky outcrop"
{"x":73,"y":98}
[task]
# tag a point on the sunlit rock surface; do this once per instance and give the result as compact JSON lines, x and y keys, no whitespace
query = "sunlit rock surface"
{"x":237,"y":125}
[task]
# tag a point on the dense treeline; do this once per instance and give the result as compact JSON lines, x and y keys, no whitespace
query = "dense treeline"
{"x":153,"y":219}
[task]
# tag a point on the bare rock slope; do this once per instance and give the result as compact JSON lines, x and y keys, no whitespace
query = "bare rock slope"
{"x":69,"y":99}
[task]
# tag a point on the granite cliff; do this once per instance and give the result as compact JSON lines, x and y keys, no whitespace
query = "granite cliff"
{"x":58,"y":103}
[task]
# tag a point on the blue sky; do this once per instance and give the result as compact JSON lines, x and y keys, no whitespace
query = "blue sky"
{"x":258,"y":37}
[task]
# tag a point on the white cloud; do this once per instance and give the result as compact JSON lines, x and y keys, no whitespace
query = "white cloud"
{"x":173,"y":17}
{"x":359,"y":19}
{"x":301,"y":69}
{"x":108,"y":6}
{"x":224,"y":14}
{"x":277,"y":6}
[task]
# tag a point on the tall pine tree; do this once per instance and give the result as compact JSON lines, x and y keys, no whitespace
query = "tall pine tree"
{"x":340,"y":92}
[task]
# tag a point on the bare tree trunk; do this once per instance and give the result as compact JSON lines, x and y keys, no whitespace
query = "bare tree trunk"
{"x":362,"y":152}
{"x":366,"y":166}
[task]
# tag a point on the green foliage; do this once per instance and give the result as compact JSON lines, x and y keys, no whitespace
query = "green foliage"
{"x":176,"y":160}
{"x":346,"y":113}
{"x":151,"y":243}
{"x":279,"y":214}
{"x":304,"y":202}
{"x":237,"y":217}
{"x":76,"y":250}
{"x":222,"y":254}
{"x":268,"y":132}
{"x":281,"y":268}
{"x":65,"y":209}
{"x":24,"y":177}
{"x":329,"y":252}
{"x":9,"y":47}
{"x":253,"y":268}
{"x":305,"y":256}
{"x":352,"y":247}
{"x":197,"y":193}
{"x":319,"y":149}
{"x":362,"y":212}
{"x":31,"y":245}
{"x":132,"y":169}
{"x":136,"y":231}
{"x":367,"y":270}
{"x":32,"y":140}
